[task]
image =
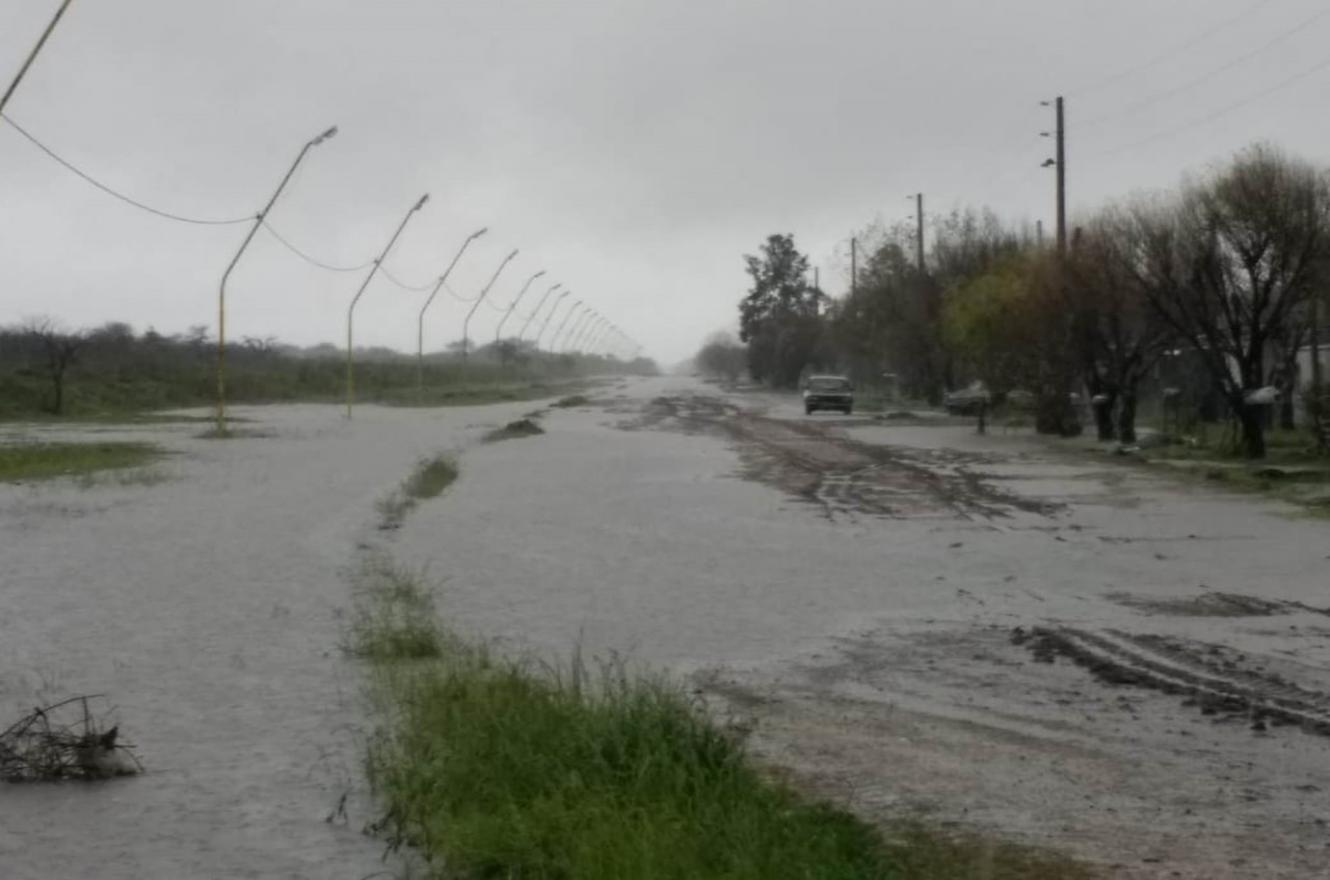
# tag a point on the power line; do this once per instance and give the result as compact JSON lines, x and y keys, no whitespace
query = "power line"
{"x":1227,"y":108}
{"x":1226,"y":66}
{"x":414,"y":288}
{"x":201,"y":221}
{"x":307,"y":258}
{"x":1169,"y":52}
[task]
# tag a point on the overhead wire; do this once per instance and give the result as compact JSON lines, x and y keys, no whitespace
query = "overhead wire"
{"x":1169,"y":52}
{"x":307,"y":258}
{"x":1226,"y":66}
{"x":129,"y":200}
{"x":414,"y":288}
{"x":1222,"y":111}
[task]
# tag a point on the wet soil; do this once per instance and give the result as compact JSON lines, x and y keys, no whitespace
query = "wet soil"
{"x":819,"y":464}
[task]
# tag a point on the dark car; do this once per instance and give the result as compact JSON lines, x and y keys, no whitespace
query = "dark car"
{"x":828,"y":392}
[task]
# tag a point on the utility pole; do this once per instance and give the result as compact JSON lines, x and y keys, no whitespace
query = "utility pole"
{"x":817,"y":279}
{"x":1062,"y":180}
{"x":420,"y":321}
{"x":540,"y":305}
{"x":546,"y":323}
{"x":351,"y":309}
{"x":466,"y":324}
{"x":854,"y":265}
{"x":919,"y":243}
{"x":32,"y":56}
{"x":498,"y":331}
{"x":1059,"y":164}
{"x":221,"y":289}
{"x":1039,"y":233}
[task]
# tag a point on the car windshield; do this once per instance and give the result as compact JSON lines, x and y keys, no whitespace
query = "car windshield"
{"x":828,"y":384}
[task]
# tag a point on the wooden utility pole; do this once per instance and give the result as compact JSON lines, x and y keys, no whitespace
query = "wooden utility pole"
{"x":1318,"y":396}
{"x":854,"y":265}
{"x":919,"y":239}
{"x":1062,"y":180}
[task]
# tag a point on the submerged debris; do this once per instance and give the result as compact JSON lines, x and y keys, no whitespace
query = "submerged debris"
{"x":64,"y":741}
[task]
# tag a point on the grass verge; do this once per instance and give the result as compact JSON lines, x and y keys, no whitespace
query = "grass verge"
{"x":497,"y":768}
{"x":25,"y":461}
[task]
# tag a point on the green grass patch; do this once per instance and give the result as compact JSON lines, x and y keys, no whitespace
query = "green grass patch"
{"x":499,"y":768}
{"x":513,"y":430}
{"x":27,"y":461}
{"x":394,"y":618}
{"x":428,"y":479}
{"x":573,"y":400}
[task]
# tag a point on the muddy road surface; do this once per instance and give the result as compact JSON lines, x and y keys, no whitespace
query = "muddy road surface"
{"x":909,"y":618}
{"x":1058,"y":649}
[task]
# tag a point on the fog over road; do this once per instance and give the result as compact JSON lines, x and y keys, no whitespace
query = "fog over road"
{"x":1063,"y":650}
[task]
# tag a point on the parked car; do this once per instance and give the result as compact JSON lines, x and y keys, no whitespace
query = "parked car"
{"x":828,"y":392}
{"x":967,"y":401}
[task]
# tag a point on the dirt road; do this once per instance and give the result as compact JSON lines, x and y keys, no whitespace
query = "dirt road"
{"x":911,"y":616}
{"x":906,"y":615}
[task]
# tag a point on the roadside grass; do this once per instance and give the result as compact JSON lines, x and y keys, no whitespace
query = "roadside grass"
{"x":428,"y":479}
{"x":525,"y":427}
{"x":28,"y":461}
{"x":492,"y":767}
{"x":1292,"y":471}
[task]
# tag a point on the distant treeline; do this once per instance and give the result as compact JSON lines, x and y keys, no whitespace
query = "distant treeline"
{"x":111,"y":369}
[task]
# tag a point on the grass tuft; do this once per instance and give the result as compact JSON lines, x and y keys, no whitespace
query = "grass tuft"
{"x":395,"y":617}
{"x":27,"y":461}
{"x":573,"y":400}
{"x":513,"y":430}
{"x":430,"y":477}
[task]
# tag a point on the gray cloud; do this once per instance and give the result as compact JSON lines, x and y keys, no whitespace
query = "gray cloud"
{"x":633,"y":149}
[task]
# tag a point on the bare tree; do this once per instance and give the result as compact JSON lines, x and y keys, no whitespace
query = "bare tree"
{"x":58,"y":351}
{"x":1230,"y":265}
{"x":1119,"y":336}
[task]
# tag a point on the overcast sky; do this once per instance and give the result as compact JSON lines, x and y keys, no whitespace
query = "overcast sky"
{"x":634,"y":149}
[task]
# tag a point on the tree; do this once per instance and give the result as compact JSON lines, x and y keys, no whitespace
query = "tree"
{"x":779,"y":318}
{"x":1230,"y":266}
{"x":722,"y":356}
{"x":1119,"y":337}
{"x":57,"y":350}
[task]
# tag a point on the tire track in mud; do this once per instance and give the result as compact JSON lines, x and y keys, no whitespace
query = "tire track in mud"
{"x":1209,"y":676}
{"x":838,"y":475}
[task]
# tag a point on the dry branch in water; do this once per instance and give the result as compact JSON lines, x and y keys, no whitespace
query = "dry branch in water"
{"x":64,"y":741}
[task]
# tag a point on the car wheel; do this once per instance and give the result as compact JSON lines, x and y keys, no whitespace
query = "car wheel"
{"x":808,"y":410}
{"x":849,"y":410}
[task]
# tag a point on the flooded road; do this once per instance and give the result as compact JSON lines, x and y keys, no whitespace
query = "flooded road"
{"x":1061,"y":650}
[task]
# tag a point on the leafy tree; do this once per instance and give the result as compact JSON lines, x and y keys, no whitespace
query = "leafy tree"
{"x":779,"y":318}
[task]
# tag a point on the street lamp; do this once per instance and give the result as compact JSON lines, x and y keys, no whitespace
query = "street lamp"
{"x":577,"y":305}
{"x":351,"y":309}
{"x":546,"y":323}
{"x":420,"y":324}
{"x":579,"y":341}
{"x":221,"y":291}
{"x":480,"y":299}
{"x":576,"y":327}
{"x":32,"y":56}
{"x":506,"y":315}
{"x":575,"y":335}
{"x":540,"y":305}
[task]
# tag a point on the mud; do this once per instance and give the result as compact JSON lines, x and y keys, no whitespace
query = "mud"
{"x":1213,"y":678}
{"x":1215,"y":605}
{"x":822,"y":466}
